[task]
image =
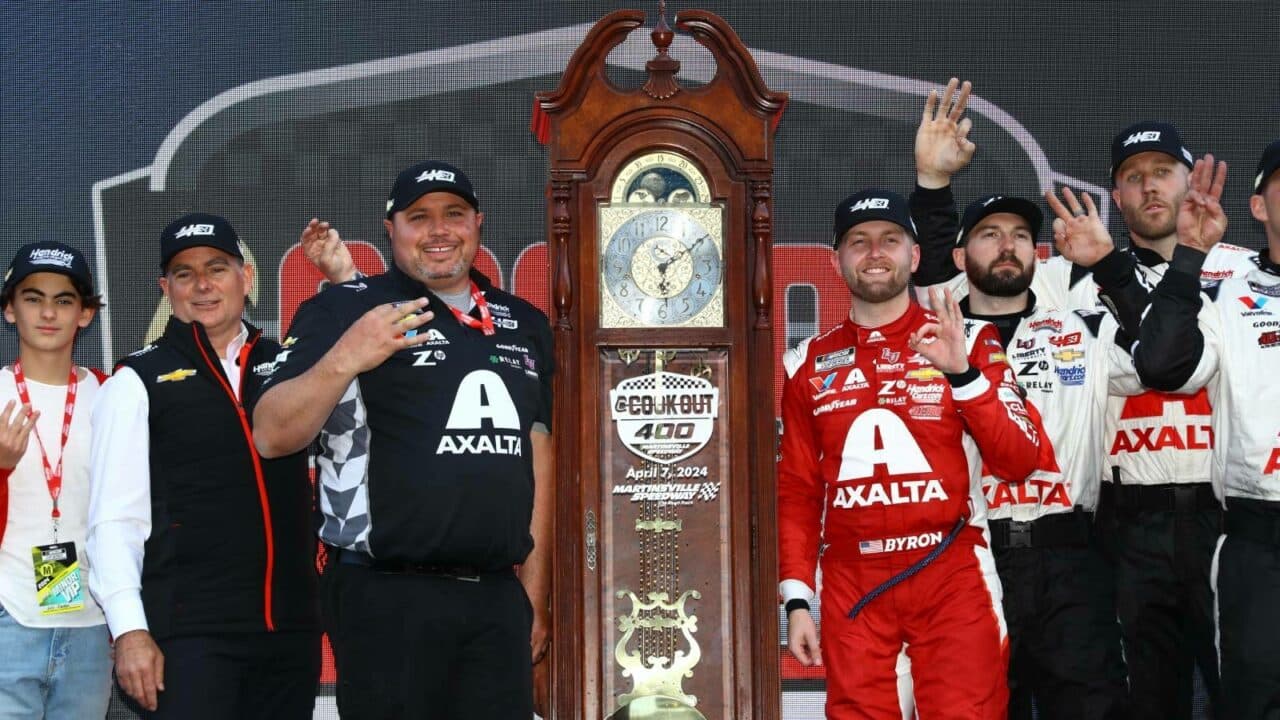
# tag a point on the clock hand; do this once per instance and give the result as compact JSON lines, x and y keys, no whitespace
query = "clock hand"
{"x":662,"y":267}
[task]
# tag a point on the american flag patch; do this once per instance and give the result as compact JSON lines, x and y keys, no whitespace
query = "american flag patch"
{"x":871,"y":547}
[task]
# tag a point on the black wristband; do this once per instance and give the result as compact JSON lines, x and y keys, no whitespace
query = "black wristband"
{"x":796,"y":604}
{"x":964,"y":378}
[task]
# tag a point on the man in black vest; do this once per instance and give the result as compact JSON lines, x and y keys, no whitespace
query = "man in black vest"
{"x":435,"y":471}
{"x":203,"y":553}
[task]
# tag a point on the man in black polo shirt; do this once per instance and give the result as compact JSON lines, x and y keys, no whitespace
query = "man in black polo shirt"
{"x":430,"y":389}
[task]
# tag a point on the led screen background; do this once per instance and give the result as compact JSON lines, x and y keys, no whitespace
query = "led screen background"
{"x":115,"y":118}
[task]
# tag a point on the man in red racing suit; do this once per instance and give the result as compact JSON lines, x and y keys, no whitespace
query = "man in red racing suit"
{"x":884,"y":417}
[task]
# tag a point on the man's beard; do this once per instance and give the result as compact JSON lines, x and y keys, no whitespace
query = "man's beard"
{"x":1001,"y":283}
{"x":1152,"y":230}
{"x":876,"y":292}
{"x":423,"y":274}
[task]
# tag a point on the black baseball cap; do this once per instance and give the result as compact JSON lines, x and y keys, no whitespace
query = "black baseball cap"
{"x":427,"y":177}
{"x":992,"y":204}
{"x":1268,"y":164}
{"x":49,"y":256}
{"x":871,"y":204}
{"x":1148,"y":136}
{"x":198,"y":230}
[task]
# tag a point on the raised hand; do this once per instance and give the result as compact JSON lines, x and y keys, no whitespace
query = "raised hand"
{"x":324,"y":248}
{"x":1201,"y":222}
{"x":942,"y":343}
{"x":1078,"y":231}
{"x":15,"y":432}
{"x":379,"y":334}
{"x":942,"y":144}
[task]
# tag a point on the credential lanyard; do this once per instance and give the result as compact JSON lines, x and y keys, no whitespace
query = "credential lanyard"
{"x":52,"y":475}
{"x":485,"y":323}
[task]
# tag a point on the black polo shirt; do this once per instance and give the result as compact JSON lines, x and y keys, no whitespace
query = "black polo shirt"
{"x":427,"y":457}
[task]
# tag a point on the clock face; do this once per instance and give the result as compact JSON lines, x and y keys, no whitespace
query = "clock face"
{"x":662,"y":266}
{"x":661,"y":260}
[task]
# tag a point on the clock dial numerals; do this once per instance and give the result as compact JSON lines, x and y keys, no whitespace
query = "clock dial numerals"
{"x":662,"y":267}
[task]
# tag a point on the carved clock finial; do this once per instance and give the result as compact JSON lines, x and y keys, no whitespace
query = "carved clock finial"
{"x":662,"y":68}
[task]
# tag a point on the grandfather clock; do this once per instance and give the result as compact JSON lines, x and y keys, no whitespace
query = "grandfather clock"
{"x":659,"y":229}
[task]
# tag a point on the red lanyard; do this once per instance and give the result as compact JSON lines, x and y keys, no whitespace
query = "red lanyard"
{"x":485,"y":323}
{"x":52,"y":476}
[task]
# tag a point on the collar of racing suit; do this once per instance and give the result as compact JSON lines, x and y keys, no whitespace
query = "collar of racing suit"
{"x":895,"y":332}
{"x":1147,"y":256}
{"x":1266,"y":263}
{"x":1006,"y":324}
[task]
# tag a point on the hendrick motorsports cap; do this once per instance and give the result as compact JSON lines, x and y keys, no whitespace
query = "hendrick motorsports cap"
{"x":198,"y":230}
{"x":427,"y":177}
{"x":1148,"y":136}
{"x":1269,"y":163}
{"x":992,"y":204}
{"x":872,"y":204}
{"x":49,"y":256}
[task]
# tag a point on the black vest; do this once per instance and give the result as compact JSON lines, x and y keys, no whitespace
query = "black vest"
{"x":232,"y":546}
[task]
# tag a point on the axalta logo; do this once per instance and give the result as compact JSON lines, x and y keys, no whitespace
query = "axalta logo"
{"x":51,"y":256}
{"x":855,"y":380}
{"x":893,"y":492}
{"x":1142,"y":137}
{"x":482,"y":411}
{"x":1273,"y":462}
{"x":1186,"y":437}
{"x":435,"y":337}
{"x":197,"y":229}
{"x":433,"y":175}
{"x":1033,"y":491}
{"x":896,"y":544}
{"x":869,"y":204}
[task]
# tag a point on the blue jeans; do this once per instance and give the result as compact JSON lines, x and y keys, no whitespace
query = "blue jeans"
{"x":53,"y":673}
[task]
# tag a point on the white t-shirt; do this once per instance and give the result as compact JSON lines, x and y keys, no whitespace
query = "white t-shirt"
{"x":30,"y":522}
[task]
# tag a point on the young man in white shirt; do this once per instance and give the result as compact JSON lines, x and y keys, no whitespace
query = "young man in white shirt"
{"x":55,"y":654}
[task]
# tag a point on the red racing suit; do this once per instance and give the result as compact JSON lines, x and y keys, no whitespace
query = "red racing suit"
{"x":879,"y":461}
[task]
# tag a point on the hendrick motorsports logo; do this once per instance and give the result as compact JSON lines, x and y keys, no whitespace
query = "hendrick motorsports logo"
{"x":664,"y":417}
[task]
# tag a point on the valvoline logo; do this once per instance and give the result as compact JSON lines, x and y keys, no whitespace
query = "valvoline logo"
{"x":1253,"y":303}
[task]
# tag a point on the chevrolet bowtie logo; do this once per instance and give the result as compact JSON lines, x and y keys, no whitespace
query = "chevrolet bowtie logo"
{"x":1068,"y":355}
{"x":176,"y":376}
